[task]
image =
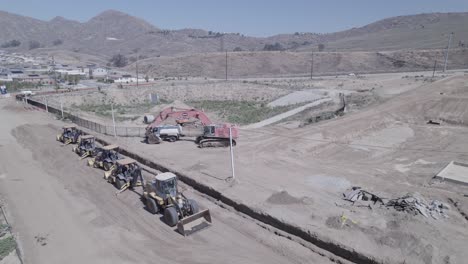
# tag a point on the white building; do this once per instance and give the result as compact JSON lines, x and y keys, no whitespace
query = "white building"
{"x":99,"y":72}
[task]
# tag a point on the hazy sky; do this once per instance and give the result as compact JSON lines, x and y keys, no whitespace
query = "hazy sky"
{"x":250,"y":17}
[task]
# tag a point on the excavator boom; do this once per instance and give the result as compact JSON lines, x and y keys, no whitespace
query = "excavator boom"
{"x":180,"y":114}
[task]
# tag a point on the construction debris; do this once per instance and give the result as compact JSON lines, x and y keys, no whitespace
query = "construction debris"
{"x":417,"y":205}
{"x":357,"y":194}
{"x":410,"y":203}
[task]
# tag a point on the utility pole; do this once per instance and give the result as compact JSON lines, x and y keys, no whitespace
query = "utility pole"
{"x":137,"y":69}
{"x":226,"y":65}
{"x":232,"y":154}
{"x":55,"y":72}
{"x":447,"y":52}
{"x":435,"y":65}
{"x":312,"y":66}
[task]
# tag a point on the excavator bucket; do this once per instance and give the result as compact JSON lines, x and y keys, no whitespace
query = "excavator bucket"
{"x":182,"y":228}
{"x":153,"y":139}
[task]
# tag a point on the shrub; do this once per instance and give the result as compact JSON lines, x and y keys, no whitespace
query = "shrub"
{"x":34,"y":44}
{"x":11,"y":44}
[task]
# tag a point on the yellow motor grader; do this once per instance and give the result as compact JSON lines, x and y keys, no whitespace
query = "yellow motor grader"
{"x":86,"y":146}
{"x":105,"y":157}
{"x":162,"y":195}
{"x":126,"y":173}
{"x":69,"y":135}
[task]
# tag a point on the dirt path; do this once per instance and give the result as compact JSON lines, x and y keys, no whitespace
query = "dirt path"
{"x":64,"y":212}
{"x":287,"y":114}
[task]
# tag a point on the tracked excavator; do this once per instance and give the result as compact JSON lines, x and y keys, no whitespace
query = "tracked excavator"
{"x":213,"y":135}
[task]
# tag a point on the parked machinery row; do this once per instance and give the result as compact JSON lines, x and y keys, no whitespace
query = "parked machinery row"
{"x":160,"y":195}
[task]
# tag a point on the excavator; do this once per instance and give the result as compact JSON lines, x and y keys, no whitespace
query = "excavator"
{"x":213,"y":135}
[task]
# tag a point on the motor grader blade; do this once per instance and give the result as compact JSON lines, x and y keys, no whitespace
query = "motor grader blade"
{"x":181,"y":226}
{"x":67,"y":142}
{"x":85,"y":155}
{"x":91,"y":162}
{"x":108,"y":173}
{"x":124,"y":187}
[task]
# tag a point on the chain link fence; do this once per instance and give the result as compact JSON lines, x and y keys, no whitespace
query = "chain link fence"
{"x":121,"y":131}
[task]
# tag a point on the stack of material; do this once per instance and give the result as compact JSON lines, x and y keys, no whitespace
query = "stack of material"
{"x":416,"y":204}
{"x":357,"y":194}
{"x":410,"y":203}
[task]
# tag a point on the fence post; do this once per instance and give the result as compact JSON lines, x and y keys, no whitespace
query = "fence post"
{"x":61,"y":106}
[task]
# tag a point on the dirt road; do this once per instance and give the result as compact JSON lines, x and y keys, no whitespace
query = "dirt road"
{"x":64,"y":212}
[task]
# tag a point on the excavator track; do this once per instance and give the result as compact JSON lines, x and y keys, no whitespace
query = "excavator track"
{"x":215,"y":142}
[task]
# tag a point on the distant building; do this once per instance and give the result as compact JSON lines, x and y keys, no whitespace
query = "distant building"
{"x":99,"y":73}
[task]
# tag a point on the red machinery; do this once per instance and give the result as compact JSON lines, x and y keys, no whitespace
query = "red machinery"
{"x":214,"y":135}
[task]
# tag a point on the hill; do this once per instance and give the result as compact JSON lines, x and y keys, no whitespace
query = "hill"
{"x":112,"y":32}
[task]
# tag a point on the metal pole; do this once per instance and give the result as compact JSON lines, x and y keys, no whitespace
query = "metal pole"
{"x":435,"y":65}
{"x":232,"y":154}
{"x":61,"y":106}
{"x":447,"y":52}
{"x":113,"y":120}
{"x":312,"y":66}
{"x":137,"y":69}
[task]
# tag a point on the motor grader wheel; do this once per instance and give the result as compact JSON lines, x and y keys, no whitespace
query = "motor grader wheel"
{"x":170,"y":216}
{"x":119,"y":183}
{"x":151,"y":206}
{"x":106,"y":166}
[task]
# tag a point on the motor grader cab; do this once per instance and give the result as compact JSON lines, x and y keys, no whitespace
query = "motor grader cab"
{"x":125,"y":174}
{"x":105,"y":157}
{"x":70,"y":134}
{"x":86,"y":146}
{"x":162,"y":195}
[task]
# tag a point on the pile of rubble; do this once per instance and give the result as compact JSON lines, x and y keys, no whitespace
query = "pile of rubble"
{"x":410,"y":203}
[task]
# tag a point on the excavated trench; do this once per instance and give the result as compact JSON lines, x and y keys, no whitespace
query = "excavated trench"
{"x":324,"y":243}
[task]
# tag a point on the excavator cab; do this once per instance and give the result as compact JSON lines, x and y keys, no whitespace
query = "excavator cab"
{"x":162,"y":195}
{"x":70,"y":134}
{"x":86,"y":146}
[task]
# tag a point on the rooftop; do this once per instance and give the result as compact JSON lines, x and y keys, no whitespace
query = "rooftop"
{"x":165,"y":176}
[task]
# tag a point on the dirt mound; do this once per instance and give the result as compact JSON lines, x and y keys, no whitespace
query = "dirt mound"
{"x":283,"y":198}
